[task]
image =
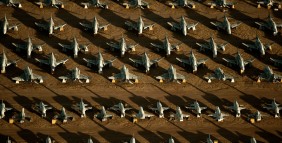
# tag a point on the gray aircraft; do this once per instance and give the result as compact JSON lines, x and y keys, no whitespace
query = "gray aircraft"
{"x":5,"y":62}
{"x":268,"y":3}
{"x":52,"y":62}
{"x":42,"y":109}
{"x":222,"y":3}
{"x":179,"y":116}
{"x":139,"y":25}
{"x":94,"y":26}
{"x":237,"y":108}
{"x":220,"y":75}
{"x":142,"y":115}
{"x":50,"y":26}
{"x":103,"y":116}
{"x":124,"y":76}
{"x":81,"y":107}
{"x":192,"y":61}
{"x":170,"y":140}
{"x":226,"y":25}
{"x":160,"y":109}
{"x":75,"y":47}
{"x":269,"y":75}
{"x":239,"y":61}
{"x":197,"y":108}
{"x":274,"y":107}
{"x":3,"y":109}
{"x":122,"y":46}
{"x":166,"y":46}
{"x":270,"y":24}
{"x":218,"y":115}
{"x":259,"y":46}
{"x":14,"y":3}
{"x":28,"y":75}
{"x":182,"y":3}
{"x":257,"y":116}
{"x":120,"y":107}
{"x":276,"y":62}
{"x":28,"y":47}
{"x":182,"y":26}
{"x":145,"y":62}
{"x":253,"y":140}
{"x":95,"y":3}
{"x":171,"y":75}
{"x":212,"y":46}
{"x":21,"y":117}
{"x":75,"y":75}
{"x":5,"y":26}
{"x":52,"y":3}
{"x":136,"y":4}
{"x":63,"y":116}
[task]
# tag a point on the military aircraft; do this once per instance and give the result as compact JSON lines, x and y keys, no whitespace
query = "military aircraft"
{"x":52,"y":3}
{"x":274,"y":107}
{"x":28,"y":47}
{"x":145,"y":62}
{"x":218,"y":115}
{"x":94,"y":3}
{"x":196,"y":107}
{"x":5,"y":26}
{"x":220,"y":75}
{"x":179,"y":115}
{"x":50,"y":26}
{"x":49,"y":140}
{"x":124,"y":76}
{"x":257,"y":116}
{"x":209,"y":140}
{"x":182,"y":3}
{"x":136,"y":4}
{"x":142,"y":115}
{"x":14,"y":3}
{"x":192,"y":61}
{"x":63,"y":116}
{"x":22,"y":116}
{"x":258,"y":45}
{"x":160,"y":109}
{"x":5,"y":62}
{"x":132,"y":140}
{"x":75,"y":75}
{"x":268,"y":3}
{"x":121,"y":46}
{"x":170,"y":140}
{"x":75,"y":47}
{"x":237,"y":108}
{"x":139,"y":25}
{"x":28,"y":75}
{"x":42,"y":108}
{"x":90,"y":140}
{"x":269,"y":75}
{"x":253,"y":140}
{"x":103,"y":116}
{"x":94,"y":26}
{"x":212,"y":46}
{"x":276,"y":62}
{"x":182,"y":26}
{"x":270,"y":24}
{"x":239,"y":61}
{"x":52,"y":62}
{"x":171,"y":75}
{"x":226,"y":25}
{"x":120,"y":107}
{"x":8,"y":140}
{"x":3,"y":109}
{"x":166,"y":46}
{"x":81,"y":107}
{"x":222,"y":3}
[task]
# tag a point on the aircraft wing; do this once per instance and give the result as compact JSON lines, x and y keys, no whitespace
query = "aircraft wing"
{"x":164,"y":76}
{"x":203,"y":108}
{"x":65,"y":77}
{"x":180,"y":76}
{"x":130,"y":24}
{"x":115,"y":107}
{"x":46,"y":62}
{"x":104,"y":26}
{"x":235,"y":24}
{"x":116,"y":76}
{"x":108,"y":116}
{"x":109,"y":61}
{"x":38,"y":77}
{"x":139,"y":62}
{"x":65,"y":46}
{"x":227,"y":76}
{"x":149,"y":115}
{"x":222,"y":46}
{"x":38,"y":47}
{"x":62,"y":62}
{"x":154,"y":109}
{"x":59,"y":26}
{"x":276,"y":61}
{"x":279,"y":25}
{"x":249,"y":46}
{"x":248,"y":61}
{"x":230,"y":61}
{"x":202,"y":61}
{"x":94,"y":62}
{"x":165,"y":108}
{"x":183,"y":61}
{"x":132,"y":76}
{"x":156,"y":60}
{"x":113,"y":45}
{"x":81,"y":76}
{"x":20,"y":78}
{"x":150,"y":26}
{"x":192,"y":26}
{"x":88,"y":26}
{"x":14,"y":27}
{"x":40,"y":25}
{"x":144,"y":3}
{"x":20,"y":46}
{"x":205,"y":46}
{"x":217,"y":24}
{"x":157,"y":46}
{"x":131,"y":47}
{"x":174,"y":25}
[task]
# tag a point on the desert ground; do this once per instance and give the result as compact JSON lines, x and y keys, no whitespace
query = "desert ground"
{"x":101,"y":92}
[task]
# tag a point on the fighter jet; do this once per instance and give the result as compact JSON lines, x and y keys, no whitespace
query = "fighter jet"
{"x":94,"y":26}
{"x":90,"y":140}
{"x":50,"y":26}
{"x":122,"y":46}
{"x":28,"y":75}
{"x":14,"y":3}
{"x":63,"y":116}
{"x":268,"y":3}
{"x":81,"y":107}
{"x":5,"y":26}
{"x":212,"y":46}
{"x":179,"y":115}
{"x":52,"y":3}
{"x":136,"y":4}
{"x":171,"y":75}
{"x":209,"y":140}
{"x":145,"y":62}
{"x":276,"y":62}
{"x":22,"y":116}
{"x":75,"y":75}
{"x":239,"y":61}
{"x":103,"y":116}
{"x":75,"y":47}
{"x":182,"y":3}
{"x":170,"y":140}
{"x":3,"y":109}
{"x":192,"y":61}
{"x":49,"y":140}
{"x":160,"y":109}
{"x":52,"y":62}
{"x":222,"y":3}
{"x":94,"y":3}
{"x":139,"y":25}
{"x":5,"y":62}
{"x":28,"y":47}
{"x":226,"y":25}
{"x":124,"y":76}
{"x":142,"y":115}
{"x":258,"y":45}
{"x":220,"y":75}
{"x":270,"y":24}
{"x":218,"y":115}
{"x":257,"y":116}
{"x":166,"y":46}
{"x":182,"y":26}
{"x":196,"y":107}
{"x":120,"y":107}
{"x":274,"y":107}
{"x":42,"y":109}
{"x":269,"y":75}
{"x":237,"y":108}
{"x":253,"y":140}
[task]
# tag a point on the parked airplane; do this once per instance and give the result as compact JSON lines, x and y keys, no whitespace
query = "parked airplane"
{"x":95,"y":3}
{"x":222,"y":3}
{"x":218,"y":115}
{"x":179,"y":115}
{"x":237,"y":108}
{"x":75,"y":47}
{"x":160,"y":109}
{"x":145,"y":62}
{"x":170,"y":140}
{"x":81,"y":108}
{"x":49,"y":140}
{"x":197,"y":108}
{"x":94,"y":26}
{"x":220,"y":75}
{"x":21,"y":117}
{"x":212,"y":46}
{"x":274,"y":107}
{"x":226,"y":25}
{"x":182,"y":3}
{"x":259,"y":46}
{"x":28,"y":47}
{"x":103,"y":116}
{"x":52,"y":3}
{"x":3,"y":109}
{"x":89,"y":140}
{"x":5,"y":26}
{"x":132,"y":140}
{"x":14,"y":3}
{"x":253,"y":140}
{"x":166,"y":46}
{"x":136,"y":4}
{"x":171,"y":75}
{"x":5,"y":62}
{"x":75,"y":75}
{"x":269,"y":75}
{"x":139,"y":25}
{"x":52,"y":62}
{"x":50,"y":26}
{"x":270,"y":24}
{"x":42,"y":109}
{"x":182,"y":26}
{"x":120,"y":108}
{"x":142,"y":115}
{"x":124,"y":76}
{"x":63,"y":116}
{"x":122,"y":46}
{"x":28,"y":75}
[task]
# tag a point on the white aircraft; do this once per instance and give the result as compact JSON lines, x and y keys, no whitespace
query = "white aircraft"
{"x":218,"y":115}
{"x":142,"y":115}
{"x":120,"y":107}
{"x":179,"y":115}
{"x":160,"y":109}
{"x":3,"y":109}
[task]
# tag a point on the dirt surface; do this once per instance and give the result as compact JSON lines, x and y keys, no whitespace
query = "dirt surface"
{"x":100,"y":91}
